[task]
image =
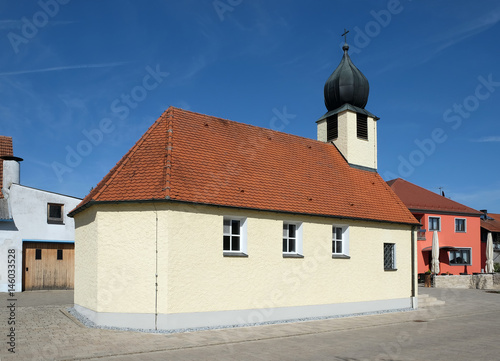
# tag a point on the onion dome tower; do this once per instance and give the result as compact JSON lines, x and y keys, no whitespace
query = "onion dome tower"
{"x":346,"y":85}
{"x":351,"y":128}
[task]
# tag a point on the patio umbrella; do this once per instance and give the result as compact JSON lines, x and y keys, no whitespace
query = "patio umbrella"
{"x":435,"y":253}
{"x":489,"y":254}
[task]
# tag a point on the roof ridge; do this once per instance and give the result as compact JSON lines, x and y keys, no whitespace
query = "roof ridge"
{"x":247,"y":125}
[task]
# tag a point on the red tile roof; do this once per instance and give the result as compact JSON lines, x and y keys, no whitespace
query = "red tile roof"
{"x":495,"y":216}
{"x":191,"y":157}
{"x":492,"y":225}
{"x":419,"y":199}
{"x":5,"y":149}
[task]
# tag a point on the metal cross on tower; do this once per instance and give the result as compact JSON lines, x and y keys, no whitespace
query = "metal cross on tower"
{"x":345,"y":35}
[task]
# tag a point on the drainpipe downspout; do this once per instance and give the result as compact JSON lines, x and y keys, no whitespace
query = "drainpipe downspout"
{"x":156,"y":268}
{"x":413,"y":280}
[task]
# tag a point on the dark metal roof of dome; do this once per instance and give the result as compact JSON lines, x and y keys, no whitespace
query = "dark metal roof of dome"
{"x":346,"y":85}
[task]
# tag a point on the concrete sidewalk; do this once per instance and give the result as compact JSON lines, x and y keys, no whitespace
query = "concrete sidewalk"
{"x":465,"y":328}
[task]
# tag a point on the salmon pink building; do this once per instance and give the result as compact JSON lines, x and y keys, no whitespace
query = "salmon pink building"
{"x":458,"y":228}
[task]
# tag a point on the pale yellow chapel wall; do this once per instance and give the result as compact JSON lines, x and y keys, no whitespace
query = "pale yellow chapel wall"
{"x":86,"y":259}
{"x":121,"y":250}
{"x":116,"y":264}
{"x":201,"y":279}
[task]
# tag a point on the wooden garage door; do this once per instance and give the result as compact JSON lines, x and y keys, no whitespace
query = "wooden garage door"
{"x":48,"y":266}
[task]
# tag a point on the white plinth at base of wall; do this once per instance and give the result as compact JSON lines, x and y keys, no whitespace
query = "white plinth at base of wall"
{"x":179,"y":321}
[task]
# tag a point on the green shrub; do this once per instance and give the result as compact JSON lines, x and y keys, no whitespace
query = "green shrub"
{"x":496,"y":267}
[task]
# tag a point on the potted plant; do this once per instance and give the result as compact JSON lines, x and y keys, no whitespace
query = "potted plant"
{"x":428,"y":279}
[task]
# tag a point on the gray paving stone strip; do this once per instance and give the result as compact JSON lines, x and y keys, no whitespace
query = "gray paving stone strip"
{"x":46,"y":331}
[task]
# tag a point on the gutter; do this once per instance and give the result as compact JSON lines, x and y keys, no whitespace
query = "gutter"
{"x":437,"y":212}
{"x":156,"y":200}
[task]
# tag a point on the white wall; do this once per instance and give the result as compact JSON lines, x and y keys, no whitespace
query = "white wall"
{"x":29,"y":212}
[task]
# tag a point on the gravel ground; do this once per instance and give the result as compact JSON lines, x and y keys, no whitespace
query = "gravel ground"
{"x":84,"y":320}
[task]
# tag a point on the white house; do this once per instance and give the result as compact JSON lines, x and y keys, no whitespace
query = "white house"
{"x":36,"y":235}
{"x":210,"y":222}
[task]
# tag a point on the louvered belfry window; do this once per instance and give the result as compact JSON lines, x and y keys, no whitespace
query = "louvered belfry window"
{"x":332,"y":127}
{"x":362,"y":126}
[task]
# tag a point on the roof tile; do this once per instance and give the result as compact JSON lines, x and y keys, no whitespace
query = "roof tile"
{"x":192,"y":157}
{"x":418,"y":198}
{"x":493,"y":224}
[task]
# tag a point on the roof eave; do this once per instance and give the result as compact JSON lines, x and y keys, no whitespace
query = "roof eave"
{"x":345,"y":107}
{"x":166,"y":200}
{"x":438,"y":211}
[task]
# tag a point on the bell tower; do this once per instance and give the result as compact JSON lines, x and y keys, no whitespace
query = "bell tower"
{"x":346,"y":123}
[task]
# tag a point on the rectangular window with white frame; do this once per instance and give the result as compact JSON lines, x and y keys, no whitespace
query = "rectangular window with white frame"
{"x":460,"y":225}
{"x":235,"y":237}
{"x":460,"y":257}
{"x":390,"y":257}
{"x":340,"y":241}
{"x":435,"y":224}
{"x":292,"y":240}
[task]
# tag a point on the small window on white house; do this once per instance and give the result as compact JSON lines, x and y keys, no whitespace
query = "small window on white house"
{"x":234,"y":238}
{"x":434,"y":223}
{"x":55,"y":213}
{"x":292,"y":239}
{"x":389,"y":256}
{"x":460,"y":225}
{"x":340,"y":242}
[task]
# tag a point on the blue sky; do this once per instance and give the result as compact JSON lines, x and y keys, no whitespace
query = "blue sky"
{"x":81,"y":81}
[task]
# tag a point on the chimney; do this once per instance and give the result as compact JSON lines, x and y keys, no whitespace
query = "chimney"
{"x":9,"y":165}
{"x":11,"y":170}
{"x":485,"y":214}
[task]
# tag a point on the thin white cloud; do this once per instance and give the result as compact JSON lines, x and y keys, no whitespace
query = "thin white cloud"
{"x":488,"y":198}
{"x":195,"y":67}
{"x":59,"y":68}
{"x":17,"y":24}
{"x":459,"y":34}
{"x":10,"y":24}
{"x":487,"y":139}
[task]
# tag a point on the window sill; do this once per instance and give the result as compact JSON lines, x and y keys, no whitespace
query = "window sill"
{"x":292,"y":255}
{"x":54,"y":222}
{"x":341,"y":256}
{"x":390,"y":269}
{"x":234,"y":254}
